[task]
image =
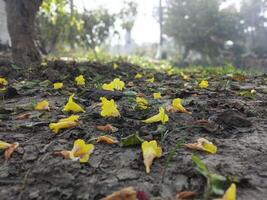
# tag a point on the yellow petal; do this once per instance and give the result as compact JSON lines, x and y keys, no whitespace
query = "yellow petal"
{"x":3,"y":82}
{"x":57,"y":85}
{"x":80,"y":80}
{"x":4,"y":145}
{"x":150,"y":150}
{"x":203,"y":84}
{"x":203,"y":145}
{"x":142,"y":103}
{"x":56,"y":127}
{"x":160,"y":117}
{"x":109,"y":108}
{"x":115,"y":66}
{"x":157,"y":95}
{"x":109,"y":87}
{"x":150,"y":80}
{"x":74,"y":118}
{"x":82,"y":150}
{"x":43,"y":105}
{"x":177,"y":105}
{"x":138,"y":75}
{"x":72,"y":106}
{"x":230,"y":194}
{"x":118,"y":84}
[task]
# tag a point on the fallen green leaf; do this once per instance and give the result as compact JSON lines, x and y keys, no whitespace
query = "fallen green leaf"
{"x":131,"y":140}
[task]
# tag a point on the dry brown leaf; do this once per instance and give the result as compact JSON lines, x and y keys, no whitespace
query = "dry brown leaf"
{"x":107,"y":127}
{"x":9,"y":151}
{"x":185,"y":195}
{"x":211,"y":127}
{"x":23,"y":116}
{"x":239,"y":77}
{"x":107,"y":139}
{"x":124,"y":194}
{"x":131,"y":84}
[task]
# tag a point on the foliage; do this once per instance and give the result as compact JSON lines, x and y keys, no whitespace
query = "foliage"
{"x":128,"y":14}
{"x":61,"y":25}
{"x":96,"y":27}
{"x":201,"y":26}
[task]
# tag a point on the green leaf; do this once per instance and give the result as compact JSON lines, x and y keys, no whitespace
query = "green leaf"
{"x":201,"y":166}
{"x":217,"y":183}
{"x":131,"y":140}
{"x":129,"y":93}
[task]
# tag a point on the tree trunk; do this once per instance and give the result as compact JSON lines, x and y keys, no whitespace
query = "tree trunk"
{"x":4,"y":36}
{"x":20,"y":18}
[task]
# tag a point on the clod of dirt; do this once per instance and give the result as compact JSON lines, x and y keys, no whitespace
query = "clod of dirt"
{"x":232,"y":118}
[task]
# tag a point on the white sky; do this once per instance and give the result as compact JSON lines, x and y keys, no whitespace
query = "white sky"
{"x":146,"y":29}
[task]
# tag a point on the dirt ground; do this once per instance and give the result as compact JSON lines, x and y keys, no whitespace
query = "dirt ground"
{"x":237,"y":125}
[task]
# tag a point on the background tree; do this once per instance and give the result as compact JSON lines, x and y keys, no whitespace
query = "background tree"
{"x":97,"y":25}
{"x":21,"y":20}
{"x":254,"y":18}
{"x":59,"y":24}
{"x":201,"y":26}
{"x":127,"y":16}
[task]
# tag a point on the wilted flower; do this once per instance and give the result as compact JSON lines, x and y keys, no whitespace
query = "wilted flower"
{"x":8,"y":148}
{"x":150,"y":150}
{"x":80,"y":151}
{"x":203,"y":145}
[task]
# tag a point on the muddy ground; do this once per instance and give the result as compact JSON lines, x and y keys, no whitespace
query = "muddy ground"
{"x":237,"y":125}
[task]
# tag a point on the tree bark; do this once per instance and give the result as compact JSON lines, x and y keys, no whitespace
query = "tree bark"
{"x":20,"y":18}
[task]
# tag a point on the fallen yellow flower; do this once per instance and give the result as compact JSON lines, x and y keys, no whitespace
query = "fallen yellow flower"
{"x":203,"y":84}
{"x":109,"y":87}
{"x":230,"y":194}
{"x":116,"y":84}
{"x":80,"y":151}
{"x":160,"y":117}
{"x":80,"y":80}
{"x":43,"y":105}
{"x":177,"y":105}
{"x":157,"y":95}
{"x":150,"y":80}
{"x":142,"y":103}
{"x":68,"y":122}
{"x":115,"y":66}
{"x":203,"y":145}
{"x":138,"y":75}
{"x":72,"y":106}
{"x":3,"y":83}
{"x":8,"y":148}
{"x":150,"y":150}
{"x":57,"y":85}
{"x":109,"y":108}
{"x":70,"y":118}
{"x":185,"y":77}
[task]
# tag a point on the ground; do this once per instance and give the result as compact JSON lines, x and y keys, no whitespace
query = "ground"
{"x":232,"y":117}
